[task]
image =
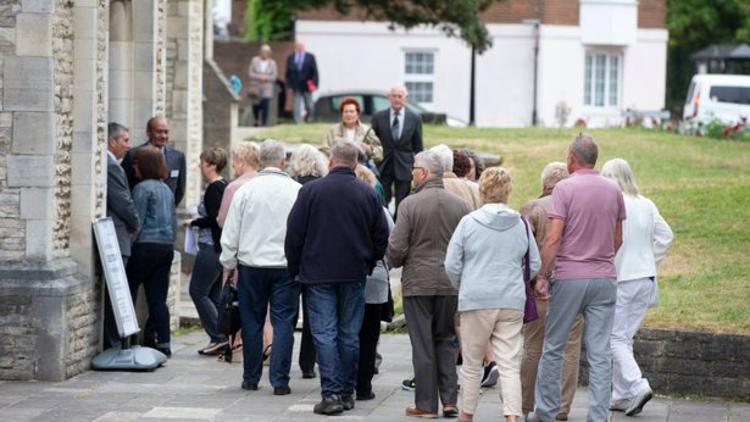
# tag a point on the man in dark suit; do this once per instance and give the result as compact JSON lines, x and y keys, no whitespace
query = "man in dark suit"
{"x":302,"y":79}
{"x":121,"y":209}
{"x":400,"y":132}
{"x":157,"y":130}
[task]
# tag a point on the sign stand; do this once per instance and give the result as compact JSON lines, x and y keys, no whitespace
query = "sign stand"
{"x":134,"y":358}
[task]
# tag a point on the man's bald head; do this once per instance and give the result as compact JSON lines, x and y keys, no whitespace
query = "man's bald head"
{"x":157,"y":130}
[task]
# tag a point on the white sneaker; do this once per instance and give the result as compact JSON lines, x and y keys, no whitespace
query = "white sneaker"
{"x":492,"y":376}
{"x":640,"y":400}
{"x":619,"y":405}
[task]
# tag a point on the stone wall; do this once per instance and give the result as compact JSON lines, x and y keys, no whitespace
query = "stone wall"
{"x":62,"y":52}
{"x":12,"y":229}
{"x":681,"y":363}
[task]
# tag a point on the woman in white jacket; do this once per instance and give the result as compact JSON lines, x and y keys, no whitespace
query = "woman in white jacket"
{"x":484,"y":260}
{"x":645,"y":240}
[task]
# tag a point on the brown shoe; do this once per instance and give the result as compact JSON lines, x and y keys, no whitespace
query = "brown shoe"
{"x":561,"y":417}
{"x":450,"y":411}
{"x":420,"y":413}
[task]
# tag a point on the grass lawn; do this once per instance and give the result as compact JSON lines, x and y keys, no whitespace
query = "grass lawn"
{"x":701,"y":186}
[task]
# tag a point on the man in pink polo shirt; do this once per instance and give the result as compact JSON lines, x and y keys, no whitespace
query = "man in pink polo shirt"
{"x":583,"y":234}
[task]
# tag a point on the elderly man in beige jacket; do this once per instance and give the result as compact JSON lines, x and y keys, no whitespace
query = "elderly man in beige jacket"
{"x":424,"y":226}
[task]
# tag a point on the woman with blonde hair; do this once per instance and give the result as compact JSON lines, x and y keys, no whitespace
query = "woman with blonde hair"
{"x":306,"y":164}
{"x":645,"y":240}
{"x":485,"y":261}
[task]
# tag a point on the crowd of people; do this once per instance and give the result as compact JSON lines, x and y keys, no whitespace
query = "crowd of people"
{"x":508,"y":295}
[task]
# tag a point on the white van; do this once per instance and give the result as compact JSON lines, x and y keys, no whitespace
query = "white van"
{"x":723,"y":97}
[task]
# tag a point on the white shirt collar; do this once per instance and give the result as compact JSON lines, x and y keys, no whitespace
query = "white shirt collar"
{"x":112,"y":155}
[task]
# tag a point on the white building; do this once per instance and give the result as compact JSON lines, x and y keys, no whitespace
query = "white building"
{"x":596,"y":58}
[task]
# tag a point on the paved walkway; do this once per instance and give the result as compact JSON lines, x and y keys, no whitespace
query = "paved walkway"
{"x":192,"y":387}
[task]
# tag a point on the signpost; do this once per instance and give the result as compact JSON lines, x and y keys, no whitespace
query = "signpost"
{"x":124,"y":357}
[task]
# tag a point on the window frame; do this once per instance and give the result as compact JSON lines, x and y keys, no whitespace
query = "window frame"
{"x":607,"y":81}
{"x":420,"y":77}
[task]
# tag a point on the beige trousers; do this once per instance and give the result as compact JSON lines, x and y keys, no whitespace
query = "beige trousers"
{"x":533,"y":334}
{"x":502,"y":329}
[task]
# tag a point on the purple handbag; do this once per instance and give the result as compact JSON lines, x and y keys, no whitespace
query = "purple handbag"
{"x":529,"y":309}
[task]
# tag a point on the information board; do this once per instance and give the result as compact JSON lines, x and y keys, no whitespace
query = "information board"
{"x":114,"y":274}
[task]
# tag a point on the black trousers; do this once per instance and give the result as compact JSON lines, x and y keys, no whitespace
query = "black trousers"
{"x":111,"y":337}
{"x":150,"y":264}
{"x":307,"y":347}
{"x":369,"y":335}
{"x":398,"y":188}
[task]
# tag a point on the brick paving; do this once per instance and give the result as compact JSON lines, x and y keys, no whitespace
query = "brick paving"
{"x":197,"y":388}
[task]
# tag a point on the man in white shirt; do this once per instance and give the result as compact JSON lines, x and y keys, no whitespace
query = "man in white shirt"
{"x":253,"y":242}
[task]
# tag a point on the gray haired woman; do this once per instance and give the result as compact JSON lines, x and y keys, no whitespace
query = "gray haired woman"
{"x":645,"y":240}
{"x":262,"y":73}
{"x":305,"y":165}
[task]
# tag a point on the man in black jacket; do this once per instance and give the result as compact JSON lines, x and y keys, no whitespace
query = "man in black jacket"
{"x":121,"y":209}
{"x":336,"y":233}
{"x":302,"y":79}
{"x":157,"y":130}
{"x":400,"y":132}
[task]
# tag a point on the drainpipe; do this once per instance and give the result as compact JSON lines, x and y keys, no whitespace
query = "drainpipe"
{"x":472,"y":86}
{"x":536,"y":24}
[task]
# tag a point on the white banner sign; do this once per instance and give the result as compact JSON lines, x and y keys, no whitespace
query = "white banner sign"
{"x":114,"y":274}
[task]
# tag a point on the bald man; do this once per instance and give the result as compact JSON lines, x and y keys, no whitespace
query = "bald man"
{"x":400,"y":132}
{"x":157,"y":131}
{"x":302,"y":79}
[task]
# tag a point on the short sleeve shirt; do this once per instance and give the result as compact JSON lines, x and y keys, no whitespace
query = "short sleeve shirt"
{"x":591,"y":206}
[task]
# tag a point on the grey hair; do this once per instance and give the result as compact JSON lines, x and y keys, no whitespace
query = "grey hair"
{"x":431,"y":162}
{"x":345,"y":153}
{"x":271,"y":153}
{"x":114,"y":130}
{"x":585,"y":150}
{"x":307,"y":161}
{"x":399,"y":88}
{"x":446,"y":156}
{"x":552,"y":174}
{"x":619,"y":171}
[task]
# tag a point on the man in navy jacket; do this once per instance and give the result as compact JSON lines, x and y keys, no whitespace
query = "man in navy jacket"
{"x":336,"y":233}
{"x":302,"y":78}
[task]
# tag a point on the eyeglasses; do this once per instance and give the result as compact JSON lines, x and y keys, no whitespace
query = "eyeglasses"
{"x":417,"y":167}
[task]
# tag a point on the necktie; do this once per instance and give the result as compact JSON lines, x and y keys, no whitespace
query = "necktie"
{"x":394,"y":128}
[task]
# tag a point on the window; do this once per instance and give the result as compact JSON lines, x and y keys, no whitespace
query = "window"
{"x":419,"y":72}
{"x":730,"y":94}
{"x":601,"y":82}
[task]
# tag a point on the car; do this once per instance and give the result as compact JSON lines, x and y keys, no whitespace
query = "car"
{"x":722,"y":97}
{"x":327,"y":107}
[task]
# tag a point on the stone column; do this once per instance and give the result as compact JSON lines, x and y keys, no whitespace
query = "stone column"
{"x":47,"y":308}
{"x":184,"y":105}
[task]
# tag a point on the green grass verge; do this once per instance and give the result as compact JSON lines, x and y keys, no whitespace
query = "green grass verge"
{"x":701,"y":186}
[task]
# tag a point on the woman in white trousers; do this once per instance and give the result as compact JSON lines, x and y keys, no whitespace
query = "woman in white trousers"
{"x":646,"y":238}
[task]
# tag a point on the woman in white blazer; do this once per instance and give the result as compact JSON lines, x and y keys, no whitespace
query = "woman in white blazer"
{"x":645,"y":240}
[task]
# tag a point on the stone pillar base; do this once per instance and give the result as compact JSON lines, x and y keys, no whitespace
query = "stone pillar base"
{"x":49,"y":320}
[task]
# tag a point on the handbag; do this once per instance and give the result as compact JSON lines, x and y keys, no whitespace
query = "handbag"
{"x":529,"y":309}
{"x":229,"y":312}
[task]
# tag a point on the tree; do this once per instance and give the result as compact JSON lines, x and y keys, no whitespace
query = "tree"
{"x":696,"y":24}
{"x":454,"y":17}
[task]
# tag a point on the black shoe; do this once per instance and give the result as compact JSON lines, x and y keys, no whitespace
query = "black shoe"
{"x":365,"y":397}
{"x":409,"y":385}
{"x":330,"y":405}
{"x":309,"y":374}
{"x":347,"y":402}
{"x":282,"y":391}
{"x":378,"y":361}
{"x":166,"y":350}
{"x":251,"y":386}
{"x":491,"y":375}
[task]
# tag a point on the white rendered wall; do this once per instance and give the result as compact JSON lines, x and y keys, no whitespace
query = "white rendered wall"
{"x":504,"y":87}
{"x":368,"y":56}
